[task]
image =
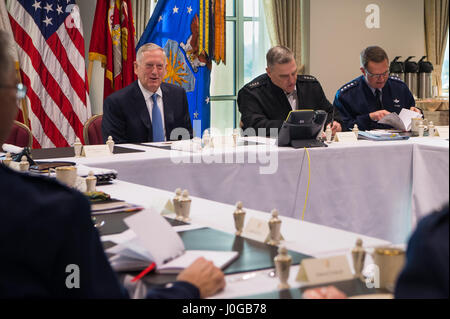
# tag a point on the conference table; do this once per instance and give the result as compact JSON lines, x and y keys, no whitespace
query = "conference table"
{"x":376,"y":188}
{"x":299,"y":236}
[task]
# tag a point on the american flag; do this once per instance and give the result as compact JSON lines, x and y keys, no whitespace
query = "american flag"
{"x":50,"y":46}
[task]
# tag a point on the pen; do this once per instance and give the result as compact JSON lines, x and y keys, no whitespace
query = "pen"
{"x":144,"y":272}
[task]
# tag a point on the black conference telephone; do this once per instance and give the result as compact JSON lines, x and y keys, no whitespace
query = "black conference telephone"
{"x":302,"y":128}
{"x":25,"y":152}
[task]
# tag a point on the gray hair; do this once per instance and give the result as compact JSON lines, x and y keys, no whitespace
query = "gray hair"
{"x":279,"y":55}
{"x":149,"y":47}
{"x":6,"y":60}
{"x":373,"y":53}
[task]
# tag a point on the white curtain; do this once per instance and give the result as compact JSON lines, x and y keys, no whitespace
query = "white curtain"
{"x":142,"y":10}
{"x":256,"y":40}
{"x":285,"y":22}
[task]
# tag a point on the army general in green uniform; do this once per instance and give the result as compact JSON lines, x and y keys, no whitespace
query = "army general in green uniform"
{"x":266,"y":101}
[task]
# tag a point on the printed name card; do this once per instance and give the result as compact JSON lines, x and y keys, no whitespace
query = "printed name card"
{"x":163,"y":205}
{"x":256,"y":229}
{"x":317,"y":271}
{"x":96,"y":150}
{"x":442,"y":131}
{"x":347,"y":137}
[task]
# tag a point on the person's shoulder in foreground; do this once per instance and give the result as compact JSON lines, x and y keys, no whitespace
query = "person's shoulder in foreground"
{"x":47,"y":235}
{"x":51,"y":249}
{"x":426,"y":273}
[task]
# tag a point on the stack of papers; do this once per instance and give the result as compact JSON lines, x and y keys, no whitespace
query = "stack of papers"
{"x":13,"y":149}
{"x":157,"y":242}
{"x":193,"y":145}
{"x":381,"y":136}
{"x":400,"y":121}
{"x":103,"y":175}
{"x":113,"y":206}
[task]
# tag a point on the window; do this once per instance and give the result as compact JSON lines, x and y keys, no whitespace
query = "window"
{"x":247,"y":43}
{"x":444,"y":75}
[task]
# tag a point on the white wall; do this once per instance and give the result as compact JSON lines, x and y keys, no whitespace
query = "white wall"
{"x":338,"y":33}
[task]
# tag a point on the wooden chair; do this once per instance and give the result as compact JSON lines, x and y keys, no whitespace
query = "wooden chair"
{"x":92,"y":130}
{"x":20,"y":135}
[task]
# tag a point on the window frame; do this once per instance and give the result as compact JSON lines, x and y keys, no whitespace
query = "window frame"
{"x":239,"y":19}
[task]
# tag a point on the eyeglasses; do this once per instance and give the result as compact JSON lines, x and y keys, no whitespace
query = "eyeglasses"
{"x":21,"y":90}
{"x":382,"y":75}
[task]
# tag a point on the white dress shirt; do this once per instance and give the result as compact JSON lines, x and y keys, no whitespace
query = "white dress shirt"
{"x":292,"y":98}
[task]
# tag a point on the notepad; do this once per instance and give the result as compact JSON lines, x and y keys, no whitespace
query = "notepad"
{"x":157,"y":242}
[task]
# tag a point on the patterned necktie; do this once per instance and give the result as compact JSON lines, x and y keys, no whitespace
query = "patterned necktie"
{"x":378,"y":99}
{"x":157,"y":125}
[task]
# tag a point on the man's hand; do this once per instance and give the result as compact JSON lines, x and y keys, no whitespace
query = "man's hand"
{"x":336,"y":128}
{"x":415,"y":109}
{"x":330,"y":292}
{"x":205,"y":276}
{"x":378,"y":115}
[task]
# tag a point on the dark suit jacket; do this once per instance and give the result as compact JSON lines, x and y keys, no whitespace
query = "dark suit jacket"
{"x":264,"y":105}
{"x":426,"y":273}
{"x":46,"y":227}
{"x":126,"y":117}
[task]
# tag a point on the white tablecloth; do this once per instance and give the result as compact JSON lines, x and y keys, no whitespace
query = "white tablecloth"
{"x":308,"y":238}
{"x":379,"y":189}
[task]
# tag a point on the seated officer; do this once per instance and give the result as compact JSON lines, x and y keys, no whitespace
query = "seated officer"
{"x":46,"y":229}
{"x":367,"y":99}
{"x":266,"y":101}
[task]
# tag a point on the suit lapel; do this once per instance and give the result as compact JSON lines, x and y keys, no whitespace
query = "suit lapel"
{"x":141,"y":110}
{"x":169,"y":116}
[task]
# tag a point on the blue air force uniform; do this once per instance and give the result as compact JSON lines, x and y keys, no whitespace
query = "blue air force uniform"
{"x":426,"y":273}
{"x":46,"y":227}
{"x":355,"y":100}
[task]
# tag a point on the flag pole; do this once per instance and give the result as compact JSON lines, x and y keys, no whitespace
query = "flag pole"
{"x":90,"y":66}
{"x":23,"y":101}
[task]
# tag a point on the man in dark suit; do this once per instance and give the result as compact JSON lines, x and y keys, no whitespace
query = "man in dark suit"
{"x":130,"y":115}
{"x":266,"y":101}
{"x":49,"y":246}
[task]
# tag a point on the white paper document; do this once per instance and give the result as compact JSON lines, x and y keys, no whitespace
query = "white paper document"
{"x":400,"y":121}
{"x":13,"y":149}
{"x":156,"y":241}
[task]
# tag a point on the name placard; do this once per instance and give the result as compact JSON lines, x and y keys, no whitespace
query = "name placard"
{"x":442,"y":131}
{"x":163,"y":205}
{"x":347,"y":137}
{"x":316,"y":271}
{"x":256,"y":229}
{"x":96,"y":150}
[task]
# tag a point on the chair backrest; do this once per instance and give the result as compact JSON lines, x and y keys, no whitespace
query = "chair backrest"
{"x":20,"y":135}
{"x":92,"y":130}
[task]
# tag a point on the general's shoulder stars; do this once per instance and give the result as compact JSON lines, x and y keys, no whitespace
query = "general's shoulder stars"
{"x":308,"y":78}
{"x":254,"y":84}
{"x":348,"y":86}
{"x":396,"y":78}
